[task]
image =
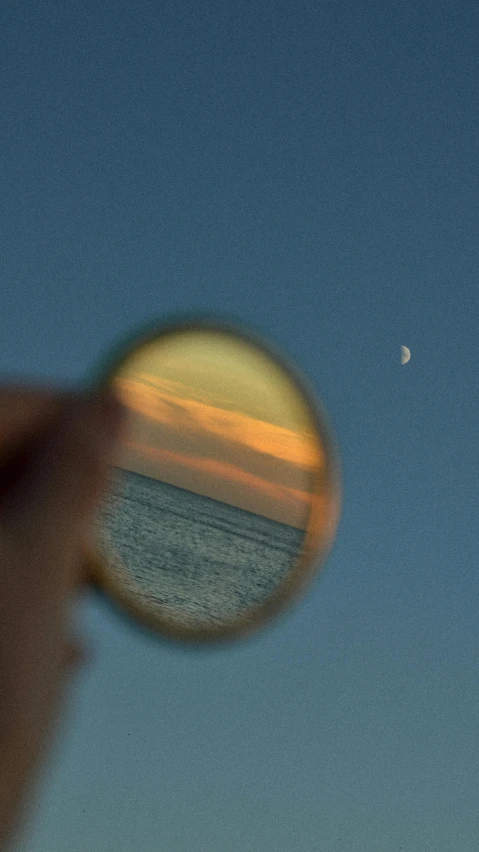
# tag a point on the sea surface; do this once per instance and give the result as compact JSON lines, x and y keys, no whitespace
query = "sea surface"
{"x":197,"y":560}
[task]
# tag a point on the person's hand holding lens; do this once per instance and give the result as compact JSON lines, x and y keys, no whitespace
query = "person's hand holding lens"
{"x":54,"y":456}
{"x":221,"y":491}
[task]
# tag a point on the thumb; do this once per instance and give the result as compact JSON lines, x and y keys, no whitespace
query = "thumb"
{"x":53,"y":485}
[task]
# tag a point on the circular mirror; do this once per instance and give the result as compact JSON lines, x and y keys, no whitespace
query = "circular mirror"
{"x":224,"y":495}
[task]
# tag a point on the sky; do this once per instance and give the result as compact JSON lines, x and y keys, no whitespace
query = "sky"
{"x":215,"y":415}
{"x":308,"y":169}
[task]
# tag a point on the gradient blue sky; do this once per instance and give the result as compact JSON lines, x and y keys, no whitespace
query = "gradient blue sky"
{"x":312,"y":169}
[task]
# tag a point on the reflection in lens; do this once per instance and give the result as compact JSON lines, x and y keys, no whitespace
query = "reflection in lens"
{"x":211,"y":492}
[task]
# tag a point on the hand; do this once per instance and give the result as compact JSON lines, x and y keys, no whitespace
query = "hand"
{"x":54,"y":454}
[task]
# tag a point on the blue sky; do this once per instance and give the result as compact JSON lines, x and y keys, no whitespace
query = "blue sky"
{"x":311,"y":169}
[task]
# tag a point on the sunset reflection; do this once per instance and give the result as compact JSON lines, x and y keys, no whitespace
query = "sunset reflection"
{"x":215,"y":417}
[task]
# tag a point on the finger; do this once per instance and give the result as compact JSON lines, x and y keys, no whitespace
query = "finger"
{"x":24,"y":410}
{"x":51,"y":488}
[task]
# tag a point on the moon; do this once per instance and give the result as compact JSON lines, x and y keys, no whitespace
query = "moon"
{"x":405,"y":355}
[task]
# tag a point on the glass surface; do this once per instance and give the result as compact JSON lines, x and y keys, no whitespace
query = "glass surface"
{"x":224,"y":489}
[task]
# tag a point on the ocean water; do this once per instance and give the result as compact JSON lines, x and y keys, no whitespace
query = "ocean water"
{"x":197,"y":560}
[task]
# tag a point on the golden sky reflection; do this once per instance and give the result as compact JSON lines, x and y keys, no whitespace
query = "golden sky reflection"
{"x":217,"y":417}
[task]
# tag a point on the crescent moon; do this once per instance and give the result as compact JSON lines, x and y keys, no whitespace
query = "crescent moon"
{"x":405,"y":355}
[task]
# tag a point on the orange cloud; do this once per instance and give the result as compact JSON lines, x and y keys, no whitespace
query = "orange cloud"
{"x":227,"y":471}
{"x":167,"y":406}
{"x":222,"y":481}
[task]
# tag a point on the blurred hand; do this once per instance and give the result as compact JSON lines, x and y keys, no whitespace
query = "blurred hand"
{"x":54,"y":454}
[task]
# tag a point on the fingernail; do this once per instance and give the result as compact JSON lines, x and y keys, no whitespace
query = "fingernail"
{"x":104,"y":416}
{"x":111,"y":414}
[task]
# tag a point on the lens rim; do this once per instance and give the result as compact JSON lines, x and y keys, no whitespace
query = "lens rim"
{"x":320,"y":534}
